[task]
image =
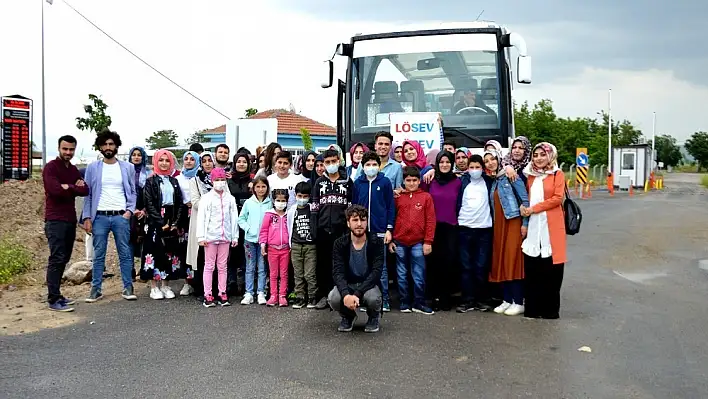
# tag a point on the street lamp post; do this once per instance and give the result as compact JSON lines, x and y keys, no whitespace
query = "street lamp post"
{"x":609,"y":131}
{"x":44,"y":118}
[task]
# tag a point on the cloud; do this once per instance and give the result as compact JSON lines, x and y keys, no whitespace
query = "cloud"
{"x":237,"y":55}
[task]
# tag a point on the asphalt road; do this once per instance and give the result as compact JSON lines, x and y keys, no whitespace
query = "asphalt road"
{"x":633,"y":293}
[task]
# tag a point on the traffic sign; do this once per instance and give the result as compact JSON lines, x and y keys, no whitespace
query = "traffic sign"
{"x":16,"y":114}
{"x":582,"y":159}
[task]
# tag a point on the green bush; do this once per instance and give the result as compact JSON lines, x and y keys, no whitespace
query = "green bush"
{"x":704,"y":181}
{"x":14,"y":260}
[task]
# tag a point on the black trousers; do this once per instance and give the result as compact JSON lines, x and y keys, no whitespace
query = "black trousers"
{"x":236,"y":268}
{"x":60,"y":237}
{"x":197,"y":282}
{"x":442,"y":270}
{"x":325,"y":242}
{"x":543,"y":284}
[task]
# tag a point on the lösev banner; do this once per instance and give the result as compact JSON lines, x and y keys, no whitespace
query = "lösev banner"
{"x":423,"y":127}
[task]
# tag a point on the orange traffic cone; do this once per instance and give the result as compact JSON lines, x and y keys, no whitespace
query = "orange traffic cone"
{"x":631,"y":190}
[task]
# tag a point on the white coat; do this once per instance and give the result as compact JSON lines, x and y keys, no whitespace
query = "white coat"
{"x":217,"y":219}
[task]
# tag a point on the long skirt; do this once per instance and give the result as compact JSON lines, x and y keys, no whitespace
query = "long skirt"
{"x":163,"y":253}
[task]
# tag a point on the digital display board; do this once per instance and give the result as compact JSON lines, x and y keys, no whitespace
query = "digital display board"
{"x":16,"y":114}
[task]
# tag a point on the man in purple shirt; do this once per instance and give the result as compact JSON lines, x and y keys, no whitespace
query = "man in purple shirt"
{"x":62,"y":184}
{"x":108,"y":208}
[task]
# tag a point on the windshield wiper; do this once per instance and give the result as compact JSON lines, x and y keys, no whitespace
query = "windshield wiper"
{"x":456,"y":129}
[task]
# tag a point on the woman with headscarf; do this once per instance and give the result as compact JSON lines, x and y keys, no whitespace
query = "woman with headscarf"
{"x":190,"y":167}
{"x":307,"y":165}
{"x":356,"y":152}
{"x":492,"y":145}
{"x":397,"y":152}
{"x":509,"y":227}
{"x":240,"y":188}
{"x":432,"y":156}
{"x":271,"y":151}
{"x":445,"y":190}
{"x":342,"y":160}
{"x":198,"y":186}
{"x":413,"y":155}
{"x":545,"y":245}
{"x":319,"y":167}
{"x":518,"y":157}
{"x":139,"y":158}
{"x":161,"y":261}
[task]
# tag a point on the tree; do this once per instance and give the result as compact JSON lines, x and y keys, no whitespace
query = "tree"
{"x":697,"y":146}
{"x":667,"y":151}
{"x":97,"y":119}
{"x":162,"y":139}
{"x":306,"y":139}
{"x":250,"y":112}
{"x":197,"y":137}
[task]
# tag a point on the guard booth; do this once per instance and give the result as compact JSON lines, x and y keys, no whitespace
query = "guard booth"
{"x":634,"y":162}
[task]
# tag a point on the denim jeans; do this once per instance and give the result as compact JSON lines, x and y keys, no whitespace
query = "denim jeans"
{"x":475,"y":255}
{"x":384,"y":277}
{"x":414,"y":257}
{"x":253,"y":259}
{"x":120,"y":227}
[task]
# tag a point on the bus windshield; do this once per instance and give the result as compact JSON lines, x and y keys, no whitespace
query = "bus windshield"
{"x":462,"y":85}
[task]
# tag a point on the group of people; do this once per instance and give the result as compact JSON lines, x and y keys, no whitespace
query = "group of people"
{"x":316,"y":232}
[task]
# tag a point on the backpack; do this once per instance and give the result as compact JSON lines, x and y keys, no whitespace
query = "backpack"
{"x":572,"y":214}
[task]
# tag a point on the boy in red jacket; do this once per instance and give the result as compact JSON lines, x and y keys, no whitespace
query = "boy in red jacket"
{"x":412,"y":239}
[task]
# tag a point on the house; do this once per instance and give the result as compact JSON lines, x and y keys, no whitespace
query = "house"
{"x":289,"y":125}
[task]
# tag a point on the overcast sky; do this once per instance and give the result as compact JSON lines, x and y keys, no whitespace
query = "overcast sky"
{"x":236,"y":55}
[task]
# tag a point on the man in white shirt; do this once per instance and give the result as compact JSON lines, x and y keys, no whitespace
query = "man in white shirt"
{"x":284,"y":178}
{"x":474,"y":215}
{"x":109,"y":208}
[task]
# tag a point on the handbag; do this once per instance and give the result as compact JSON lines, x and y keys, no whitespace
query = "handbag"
{"x":572,"y":214}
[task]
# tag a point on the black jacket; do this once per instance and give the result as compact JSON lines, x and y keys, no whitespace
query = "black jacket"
{"x":341,"y":273}
{"x":240,"y":190}
{"x":152,"y":196}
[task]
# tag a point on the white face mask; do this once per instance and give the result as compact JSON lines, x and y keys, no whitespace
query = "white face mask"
{"x":371,"y":171}
{"x":302,"y":201}
{"x":332,"y":168}
{"x":280,"y":205}
{"x":476,"y":173}
{"x":219,"y":185}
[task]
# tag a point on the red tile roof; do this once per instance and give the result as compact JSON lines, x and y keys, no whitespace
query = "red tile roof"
{"x":288,"y":123}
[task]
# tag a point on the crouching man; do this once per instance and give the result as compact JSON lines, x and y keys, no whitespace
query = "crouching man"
{"x":356,"y":269}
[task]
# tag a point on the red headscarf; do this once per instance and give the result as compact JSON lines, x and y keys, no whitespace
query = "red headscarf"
{"x":156,"y":160}
{"x":353,"y":148}
{"x":421,"y":161}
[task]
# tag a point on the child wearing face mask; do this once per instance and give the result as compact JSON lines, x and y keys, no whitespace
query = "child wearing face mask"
{"x":303,"y":251}
{"x":275,"y":244}
{"x":474,"y":216}
{"x":217,"y":230}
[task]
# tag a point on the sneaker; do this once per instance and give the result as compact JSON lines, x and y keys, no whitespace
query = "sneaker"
{"x":299,"y":303}
{"x":186,"y":290}
{"x":347,"y":324}
{"x":224,"y":300}
{"x":405,"y":308}
{"x":422,"y":309}
{"x":322,"y":303}
{"x":262,"y":299}
{"x":156,"y":293}
{"x":128,"y":294}
{"x":67,"y":301}
{"x":283,"y":301}
{"x":312,"y":303}
{"x":60,"y":306}
{"x":372,"y":325}
{"x":362,"y":310}
{"x":94,"y":295}
{"x":514,"y":310}
{"x":167,"y":291}
{"x":386,"y":308}
{"x":272,"y":301}
{"x":482,"y":306}
{"x":465,"y":307}
{"x":247,"y":299}
{"x":501,"y":308}
{"x":208,"y":301}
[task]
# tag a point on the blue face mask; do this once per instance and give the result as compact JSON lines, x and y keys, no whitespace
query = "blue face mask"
{"x":371,"y":171}
{"x":476,"y":173}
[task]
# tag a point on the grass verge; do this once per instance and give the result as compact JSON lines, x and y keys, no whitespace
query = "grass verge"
{"x":704,"y":181}
{"x":14,"y":260}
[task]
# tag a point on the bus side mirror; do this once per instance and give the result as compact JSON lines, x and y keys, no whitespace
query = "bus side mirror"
{"x":523,"y":69}
{"x":328,"y":72}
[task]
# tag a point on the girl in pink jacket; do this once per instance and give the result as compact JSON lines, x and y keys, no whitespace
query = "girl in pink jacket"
{"x":275,"y":244}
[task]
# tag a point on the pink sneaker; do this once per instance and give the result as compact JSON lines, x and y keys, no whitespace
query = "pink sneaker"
{"x":283,"y":302}
{"x":272,"y":301}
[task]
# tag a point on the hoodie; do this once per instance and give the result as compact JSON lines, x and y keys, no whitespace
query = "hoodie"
{"x":377,"y":197}
{"x":274,"y":231}
{"x":415,"y":222}
{"x":252,"y":216}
